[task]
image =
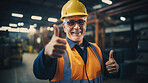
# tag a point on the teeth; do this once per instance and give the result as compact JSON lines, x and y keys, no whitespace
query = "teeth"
{"x":76,"y":32}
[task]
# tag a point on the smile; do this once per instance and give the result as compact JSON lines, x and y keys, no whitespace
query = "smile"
{"x":76,"y":32}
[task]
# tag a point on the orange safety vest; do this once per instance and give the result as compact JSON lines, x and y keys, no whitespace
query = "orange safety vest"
{"x":71,"y":67}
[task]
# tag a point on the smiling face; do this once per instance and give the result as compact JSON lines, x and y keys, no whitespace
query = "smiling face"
{"x":75,"y":28}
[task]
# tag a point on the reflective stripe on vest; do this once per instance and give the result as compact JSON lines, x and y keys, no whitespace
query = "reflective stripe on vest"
{"x":71,"y":67}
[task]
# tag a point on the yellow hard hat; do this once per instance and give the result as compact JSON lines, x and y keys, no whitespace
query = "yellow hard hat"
{"x":72,"y":8}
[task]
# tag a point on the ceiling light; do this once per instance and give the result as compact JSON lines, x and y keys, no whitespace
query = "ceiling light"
{"x":35,"y":25}
{"x":31,"y":26}
{"x":17,"y":15}
{"x":24,"y":30}
{"x":107,"y":2}
{"x":122,"y":18}
{"x":52,"y":19}
{"x":41,"y":29}
{"x":50,"y":28}
{"x":38,"y":40}
{"x":12,"y":25}
{"x":4,"y":28}
{"x":36,"y":17}
{"x":14,"y":30}
{"x":32,"y":29}
{"x":97,"y":6}
{"x":20,"y":24}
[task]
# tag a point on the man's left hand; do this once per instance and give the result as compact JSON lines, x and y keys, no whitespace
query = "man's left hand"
{"x":111,"y":64}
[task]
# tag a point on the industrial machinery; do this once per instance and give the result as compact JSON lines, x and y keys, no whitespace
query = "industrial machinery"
{"x":16,"y":50}
{"x":10,"y":49}
{"x":4,"y":48}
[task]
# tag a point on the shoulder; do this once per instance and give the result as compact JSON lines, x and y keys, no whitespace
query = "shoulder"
{"x":94,"y":44}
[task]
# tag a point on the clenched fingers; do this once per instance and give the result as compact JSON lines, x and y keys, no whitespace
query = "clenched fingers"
{"x":55,"y":55}
{"x":60,"y":46}
{"x":112,"y":70}
{"x":112,"y":66}
{"x":60,"y":40}
{"x":58,"y":51}
{"x":110,"y":62}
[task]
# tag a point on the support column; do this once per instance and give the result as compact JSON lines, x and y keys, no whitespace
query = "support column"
{"x":133,"y":39}
{"x":103,"y":38}
{"x":96,"y":31}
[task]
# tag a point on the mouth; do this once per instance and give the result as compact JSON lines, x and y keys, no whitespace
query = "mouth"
{"x":77,"y":33}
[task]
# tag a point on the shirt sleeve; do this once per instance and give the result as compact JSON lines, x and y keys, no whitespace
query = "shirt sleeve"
{"x":105,"y":59}
{"x":40,"y":70}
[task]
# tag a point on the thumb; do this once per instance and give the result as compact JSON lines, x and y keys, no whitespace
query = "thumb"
{"x":111,"y":55}
{"x":56,"y":30}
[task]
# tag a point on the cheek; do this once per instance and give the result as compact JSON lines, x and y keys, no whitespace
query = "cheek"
{"x":84,"y":28}
{"x":68,"y":31}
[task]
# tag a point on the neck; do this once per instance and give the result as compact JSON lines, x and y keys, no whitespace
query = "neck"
{"x":80,"y":43}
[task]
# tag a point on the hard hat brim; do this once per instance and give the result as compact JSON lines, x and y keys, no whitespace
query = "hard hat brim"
{"x":74,"y":14}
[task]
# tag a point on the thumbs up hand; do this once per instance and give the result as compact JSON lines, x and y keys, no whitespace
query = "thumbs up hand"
{"x":57,"y":46}
{"x":111,"y":64}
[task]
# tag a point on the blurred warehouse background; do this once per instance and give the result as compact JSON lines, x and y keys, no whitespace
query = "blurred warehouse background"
{"x":26,"y":26}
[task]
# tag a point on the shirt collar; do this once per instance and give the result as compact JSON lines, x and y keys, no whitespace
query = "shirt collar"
{"x":72,"y":43}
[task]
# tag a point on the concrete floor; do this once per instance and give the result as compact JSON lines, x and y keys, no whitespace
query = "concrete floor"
{"x":23,"y":73}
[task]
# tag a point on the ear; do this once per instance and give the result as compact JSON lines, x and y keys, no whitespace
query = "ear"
{"x":64,"y":27}
{"x":86,"y":22}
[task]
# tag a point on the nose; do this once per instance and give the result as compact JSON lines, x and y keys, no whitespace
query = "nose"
{"x":76,"y":26}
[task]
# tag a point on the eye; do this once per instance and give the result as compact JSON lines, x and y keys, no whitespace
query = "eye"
{"x":71,"y":22}
{"x":81,"y":22}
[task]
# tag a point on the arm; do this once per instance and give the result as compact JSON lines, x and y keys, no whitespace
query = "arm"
{"x":45,"y":64}
{"x":41,"y":69}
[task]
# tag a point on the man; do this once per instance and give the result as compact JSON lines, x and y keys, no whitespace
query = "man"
{"x":73,"y":59}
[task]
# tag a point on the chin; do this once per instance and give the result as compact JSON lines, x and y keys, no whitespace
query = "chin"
{"x":77,"y":39}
